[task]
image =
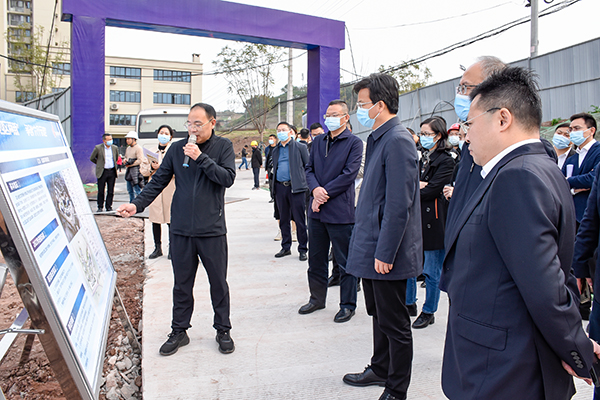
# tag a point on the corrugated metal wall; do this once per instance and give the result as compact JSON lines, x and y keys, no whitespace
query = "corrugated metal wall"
{"x":58,"y":104}
{"x":569,"y":83}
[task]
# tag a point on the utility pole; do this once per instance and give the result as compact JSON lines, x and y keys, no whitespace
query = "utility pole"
{"x":534,"y":29}
{"x":290,"y":93}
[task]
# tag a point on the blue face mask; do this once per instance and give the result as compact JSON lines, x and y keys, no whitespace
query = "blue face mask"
{"x":283,"y":136}
{"x":560,"y":142}
{"x":460,"y":144}
{"x":453,"y":140}
{"x":163,"y":139}
{"x":577,"y":137}
{"x":271,"y":141}
{"x":462,"y":104}
{"x":109,"y":143}
{"x":363,"y":117}
{"x":427,"y":142}
{"x":298,"y":139}
{"x":333,"y":123}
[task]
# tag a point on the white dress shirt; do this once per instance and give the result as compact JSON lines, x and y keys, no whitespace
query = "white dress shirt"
{"x":109,"y":163}
{"x":492,"y":163}
{"x":583,"y":151}
{"x":562,"y":158}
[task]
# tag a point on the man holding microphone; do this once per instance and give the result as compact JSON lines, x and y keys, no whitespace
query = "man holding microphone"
{"x":202,"y":170}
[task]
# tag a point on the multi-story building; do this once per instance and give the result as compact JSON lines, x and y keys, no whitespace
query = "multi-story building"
{"x":132,"y":84}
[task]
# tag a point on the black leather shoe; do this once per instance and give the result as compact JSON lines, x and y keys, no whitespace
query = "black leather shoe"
{"x":424,"y":320}
{"x":333,"y":281}
{"x":174,"y":342}
{"x":156,"y":253}
{"x":99,"y":209}
{"x":365,"y":378}
{"x":302,"y":256}
{"x":388,"y":396}
{"x":225,"y":341}
{"x":309,"y":308}
{"x":169,"y":256}
{"x":109,"y":209}
{"x":344,"y":315}
{"x":412,"y":309}
{"x":283,"y":253}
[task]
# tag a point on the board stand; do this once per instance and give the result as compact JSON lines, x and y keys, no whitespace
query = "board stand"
{"x":126,"y":322}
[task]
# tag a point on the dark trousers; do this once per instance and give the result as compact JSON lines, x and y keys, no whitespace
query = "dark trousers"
{"x":320,"y":235}
{"x":594,"y":330}
{"x":256,"y":172}
{"x":157,"y":233}
{"x":184,"y":257}
{"x":392,"y":337}
{"x":291,"y":205}
{"x":108,"y":178}
{"x":271,"y":188}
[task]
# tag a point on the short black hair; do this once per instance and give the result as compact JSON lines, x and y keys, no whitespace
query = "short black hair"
{"x":382,"y":87}
{"x":293,"y":127}
{"x":284,"y":123}
{"x":516,"y":89}
{"x":316,"y":125}
{"x":341,"y":103}
{"x":166,"y":126}
{"x":208,"y":109}
{"x":563,"y":125}
{"x":245,"y":145}
{"x":590,"y":122}
{"x":105,"y":135}
{"x":304,"y":133}
{"x":438,"y":126}
{"x":273,"y":135}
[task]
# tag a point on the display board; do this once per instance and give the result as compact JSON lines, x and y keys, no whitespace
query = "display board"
{"x":49,"y":218}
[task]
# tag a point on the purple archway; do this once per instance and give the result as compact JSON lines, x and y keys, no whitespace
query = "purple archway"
{"x":323,"y":38}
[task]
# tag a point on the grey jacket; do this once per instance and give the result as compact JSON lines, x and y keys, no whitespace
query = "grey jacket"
{"x":298,"y":154}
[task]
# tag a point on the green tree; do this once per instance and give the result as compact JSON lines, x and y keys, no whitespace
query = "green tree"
{"x":31,"y":64}
{"x":409,"y":77}
{"x":249,"y":74}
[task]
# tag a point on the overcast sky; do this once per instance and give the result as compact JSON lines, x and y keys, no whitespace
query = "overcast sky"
{"x":384,"y":32}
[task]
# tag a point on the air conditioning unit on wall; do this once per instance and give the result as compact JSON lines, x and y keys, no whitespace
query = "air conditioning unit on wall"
{"x":114,"y":106}
{"x":113,"y":81}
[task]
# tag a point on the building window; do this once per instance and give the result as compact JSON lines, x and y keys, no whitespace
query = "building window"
{"x":122,"y":119}
{"x":127,"y":97}
{"x":175,"y":76}
{"x":125,"y":72}
{"x":16,"y":20}
{"x":61,"y":68}
{"x":171,"y":98}
{"x":21,"y":97}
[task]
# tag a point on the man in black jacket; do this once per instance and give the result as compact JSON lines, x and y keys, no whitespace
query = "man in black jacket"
{"x":289,"y":159}
{"x":256,"y":163}
{"x":197,"y":222}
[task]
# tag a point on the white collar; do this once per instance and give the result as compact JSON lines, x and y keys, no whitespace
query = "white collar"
{"x":586,"y":147}
{"x":492,"y":163}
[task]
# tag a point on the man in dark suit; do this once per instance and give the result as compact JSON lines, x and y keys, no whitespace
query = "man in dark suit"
{"x":386,"y":245}
{"x":517,"y":333}
{"x":105,"y":156}
{"x":579,"y":168}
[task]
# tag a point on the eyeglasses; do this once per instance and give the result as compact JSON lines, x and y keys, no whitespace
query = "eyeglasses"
{"x":463,"y":89}
{"x":578,"y":128}
{"x":465,"y":126}
{"x":196,"y":125}
{"x":333,"y":116}
{"x":362,"y":105}
{"x":430,"y":134}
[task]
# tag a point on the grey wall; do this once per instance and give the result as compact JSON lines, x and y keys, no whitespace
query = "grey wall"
{"x":57,"y":104}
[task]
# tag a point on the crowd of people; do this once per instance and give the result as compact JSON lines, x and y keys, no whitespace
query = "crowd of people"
{"x":503,"y":221}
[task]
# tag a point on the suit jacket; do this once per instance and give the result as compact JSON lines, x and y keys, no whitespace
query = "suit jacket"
{"x":388,"y":214}
{"x":298,"y":157}
{"x":582,"y":177}
{"x":513,"y":312}
{"x":588,"y":235}
{"x":97,"y":158}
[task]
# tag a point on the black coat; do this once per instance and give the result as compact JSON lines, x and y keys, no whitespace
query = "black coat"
{"x":256,"y":158}
{"x":198,"y":207}
{"x":437,"y":172}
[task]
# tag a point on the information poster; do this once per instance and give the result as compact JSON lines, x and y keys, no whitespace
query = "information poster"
{"x":43,"y":189}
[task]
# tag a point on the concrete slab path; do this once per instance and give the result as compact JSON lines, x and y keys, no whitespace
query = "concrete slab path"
{"x":279,"y":353}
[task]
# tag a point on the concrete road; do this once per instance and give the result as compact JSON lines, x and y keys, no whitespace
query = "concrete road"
{"x":279,"y":353}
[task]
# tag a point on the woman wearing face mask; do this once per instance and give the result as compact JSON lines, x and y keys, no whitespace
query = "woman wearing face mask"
{"x":160,"y":209}
{"x":436,"y":167}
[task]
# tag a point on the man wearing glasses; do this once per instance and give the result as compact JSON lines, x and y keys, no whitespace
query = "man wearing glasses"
{"x":331,"y":170}
{"x":386,"y":245}
{"x":517,"y":333}
{"x":197,"y":221}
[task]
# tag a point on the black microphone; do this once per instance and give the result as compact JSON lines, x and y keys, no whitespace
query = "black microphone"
{"x":186,"y":160}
